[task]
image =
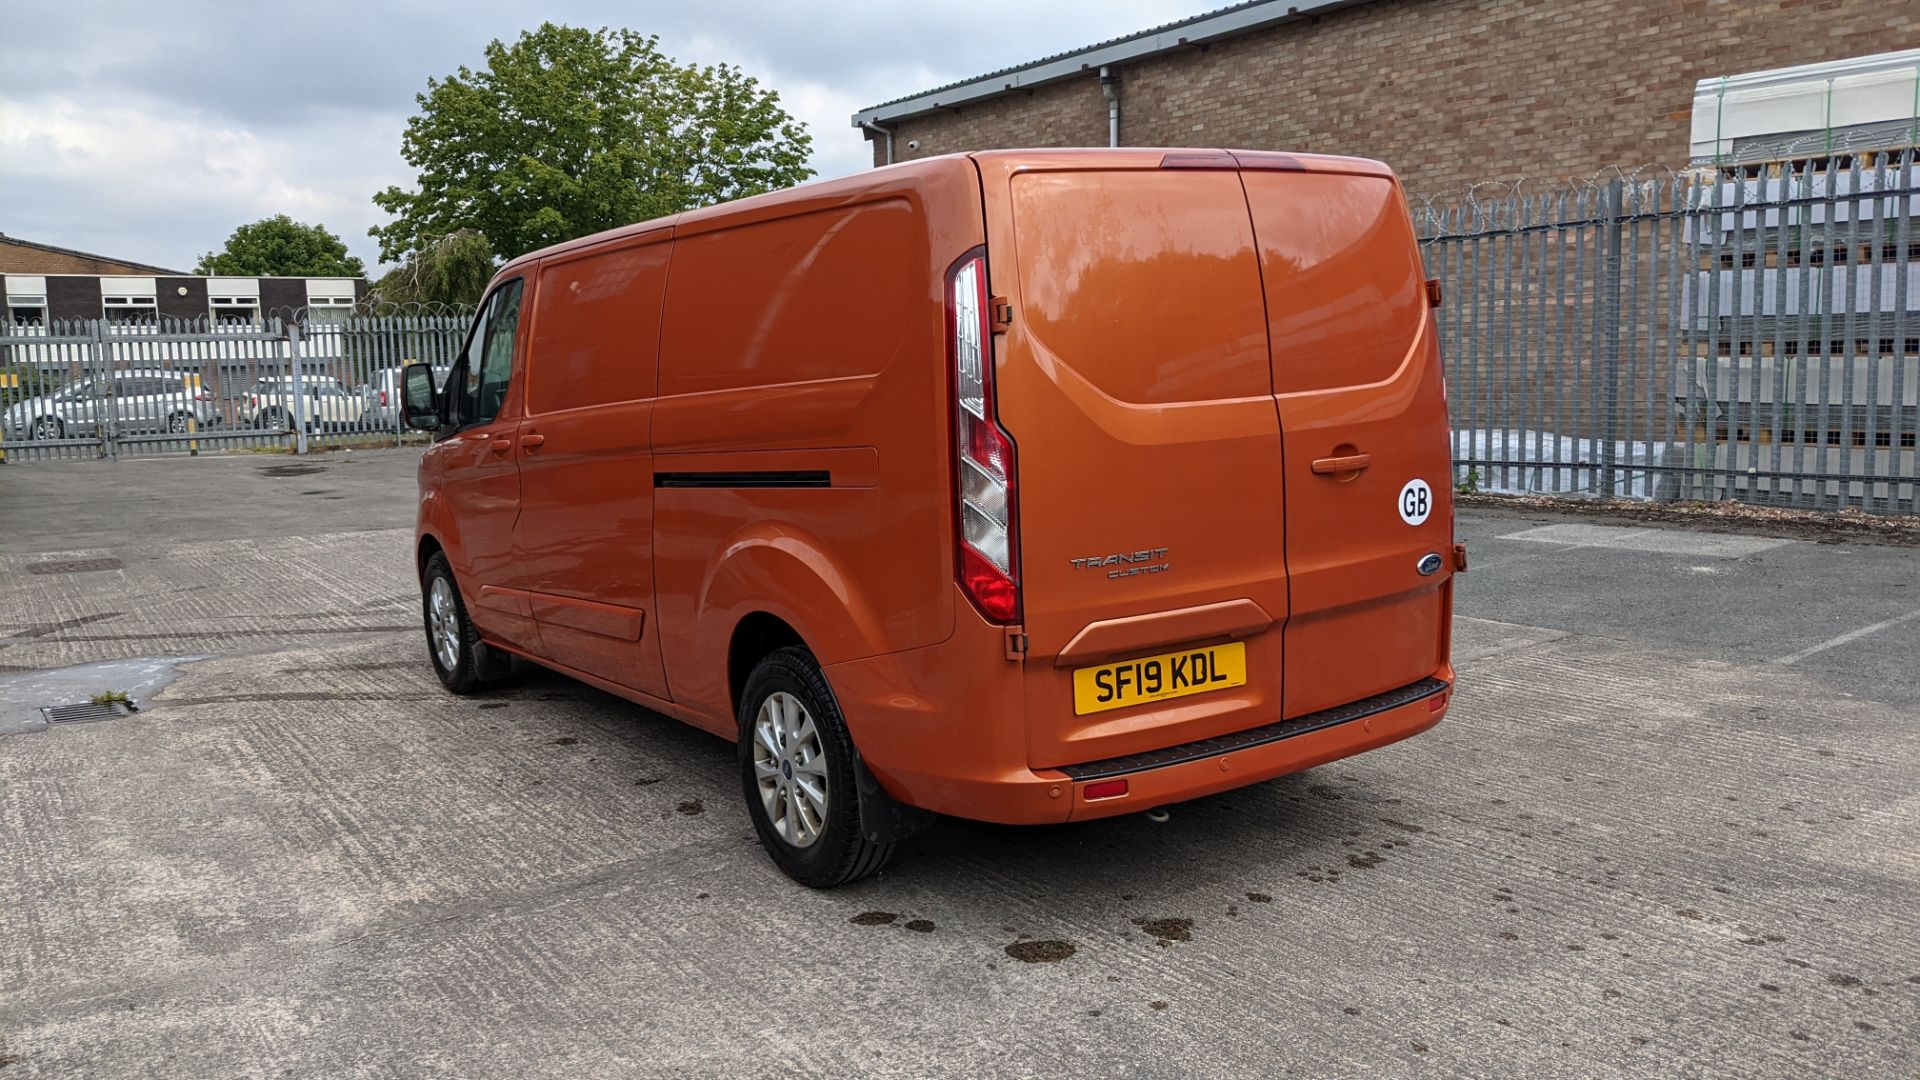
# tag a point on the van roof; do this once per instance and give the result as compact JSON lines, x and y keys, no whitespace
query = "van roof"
{"x":752,"y":206}
{"x":826,"y":191}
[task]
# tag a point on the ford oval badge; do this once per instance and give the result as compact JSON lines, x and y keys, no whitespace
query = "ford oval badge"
{"x":1430,"y":564}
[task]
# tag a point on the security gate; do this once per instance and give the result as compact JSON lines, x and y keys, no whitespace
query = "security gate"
{"x":1744,"y":333}
{"x":107,"y":389}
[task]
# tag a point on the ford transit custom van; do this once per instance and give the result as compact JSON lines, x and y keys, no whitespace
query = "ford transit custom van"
{"x":1024,"y":486}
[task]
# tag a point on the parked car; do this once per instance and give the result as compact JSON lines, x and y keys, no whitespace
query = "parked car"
{"x":383,"y":396}
{"x":141,"y":401}
{"x":271,"y":403}
{"x":1024,"y":486}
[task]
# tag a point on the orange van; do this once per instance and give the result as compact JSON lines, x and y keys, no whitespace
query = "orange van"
{"x":1024,"y":486}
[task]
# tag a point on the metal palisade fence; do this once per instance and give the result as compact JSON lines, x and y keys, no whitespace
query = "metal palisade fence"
{"x":1746,"y":333}
{"x":113,"y":388}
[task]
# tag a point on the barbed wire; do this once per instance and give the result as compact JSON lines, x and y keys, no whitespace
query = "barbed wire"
{"x":1540,"y":201}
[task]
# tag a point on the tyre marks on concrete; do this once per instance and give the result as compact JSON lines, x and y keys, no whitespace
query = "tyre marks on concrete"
{"x":1611,"y":860}
{"x":207,"y":596}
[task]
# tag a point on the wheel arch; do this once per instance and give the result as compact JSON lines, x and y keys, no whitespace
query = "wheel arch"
{"x":755,"y":635}
{"x":429,"y":545}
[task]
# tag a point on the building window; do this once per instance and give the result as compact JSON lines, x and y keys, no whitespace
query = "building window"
{"x":27,"y":310}
{"x":328,"y":310}
{"x":235,"y":310}
{"x":130,"y":310}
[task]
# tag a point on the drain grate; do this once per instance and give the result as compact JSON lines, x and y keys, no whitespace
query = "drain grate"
{"x":86,"y":712}
{"x":73,"y":566}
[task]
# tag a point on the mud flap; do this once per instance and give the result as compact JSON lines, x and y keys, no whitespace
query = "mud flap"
{"x":884,"y":820}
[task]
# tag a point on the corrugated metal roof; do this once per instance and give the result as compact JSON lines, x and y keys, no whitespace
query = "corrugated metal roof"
{"x":1211,"y":26}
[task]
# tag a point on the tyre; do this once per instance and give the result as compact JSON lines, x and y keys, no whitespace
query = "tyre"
{"x":797,"y":771}
{"x":273,"y":420}
{"x":178,"y":423}
{"x":49,"y":427}
{"x":464,"y":663}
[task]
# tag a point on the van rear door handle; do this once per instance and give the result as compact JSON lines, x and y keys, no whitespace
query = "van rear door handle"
{"x":1330,"y":466}
{"x":532,"y":442}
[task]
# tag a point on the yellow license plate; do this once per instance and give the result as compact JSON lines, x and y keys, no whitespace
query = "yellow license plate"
{"x":1158,"y":678}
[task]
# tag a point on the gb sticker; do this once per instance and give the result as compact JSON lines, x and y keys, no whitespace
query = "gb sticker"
{"x":1416,"y":502}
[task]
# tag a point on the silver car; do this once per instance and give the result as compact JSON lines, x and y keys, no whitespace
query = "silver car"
{"x":140,"y":401}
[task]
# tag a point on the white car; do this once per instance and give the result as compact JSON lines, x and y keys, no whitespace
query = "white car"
{"x":271,"y":403}
{"x":383,"y":396}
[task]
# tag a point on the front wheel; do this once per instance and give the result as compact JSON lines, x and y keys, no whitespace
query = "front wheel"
{"x":797,"y":773}
{"x":179,"y":423}
{"x":49,"y":427}
{"x":464,"y":663}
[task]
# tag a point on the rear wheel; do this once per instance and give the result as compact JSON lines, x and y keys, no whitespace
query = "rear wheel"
{"x":797,"y":773}
{"x":464,"y":663}
{"x":49,"y":427}
{"x":178,"y":423}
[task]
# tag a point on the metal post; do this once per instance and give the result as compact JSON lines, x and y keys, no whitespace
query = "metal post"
{"x":299,"y":391}
{"x":1608,"y":364}
{"x":103,"y":366}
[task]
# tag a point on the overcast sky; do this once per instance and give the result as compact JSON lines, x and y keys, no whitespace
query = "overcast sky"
{"x":152,"y":138}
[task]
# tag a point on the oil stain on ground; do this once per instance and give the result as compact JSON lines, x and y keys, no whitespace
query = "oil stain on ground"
{"x":1040,"y":952}
{"x":873,"y":918}
{"x":920,"y":926}
{"x":1167,"y":929}
{"x":691,"y":807}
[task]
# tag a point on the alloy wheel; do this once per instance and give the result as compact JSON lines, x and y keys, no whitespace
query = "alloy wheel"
{"x":790,"y":766}
{"x":443,"y":623}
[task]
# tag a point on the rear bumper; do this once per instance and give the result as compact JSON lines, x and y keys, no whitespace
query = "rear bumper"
{"x":950,"y":741}
{"x":1179,"y":773}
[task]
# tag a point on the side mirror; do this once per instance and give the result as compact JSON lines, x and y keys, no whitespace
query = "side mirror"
{"x":419,"y":402}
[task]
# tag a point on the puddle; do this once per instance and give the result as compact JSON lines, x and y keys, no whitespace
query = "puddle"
{"x":24,"y":694}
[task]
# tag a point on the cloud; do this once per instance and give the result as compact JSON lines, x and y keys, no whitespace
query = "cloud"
{"x":154,"y":140}
{"x":154,"y":183}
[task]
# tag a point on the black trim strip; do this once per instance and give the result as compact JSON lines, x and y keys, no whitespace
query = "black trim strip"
{"x":782,"y":478}
{"x":1260,"y":736}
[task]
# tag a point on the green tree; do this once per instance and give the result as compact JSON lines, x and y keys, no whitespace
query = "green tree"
{"x":570,"y":131}
{"x":452,"y":270}
{"x":282,"y":247}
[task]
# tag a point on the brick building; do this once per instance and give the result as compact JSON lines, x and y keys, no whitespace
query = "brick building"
{"x":1449,"y":92}
{"x":40,"y":283}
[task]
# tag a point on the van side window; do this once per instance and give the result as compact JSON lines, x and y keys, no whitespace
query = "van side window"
{"x":495,"y":362}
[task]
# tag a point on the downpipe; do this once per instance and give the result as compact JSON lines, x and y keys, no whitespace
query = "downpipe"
{"x":887,"y":132}
{"x":1109,"y":89}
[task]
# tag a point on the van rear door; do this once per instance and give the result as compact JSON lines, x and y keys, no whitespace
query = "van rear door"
{"x":1356,"y":374}
{"x":1134,"y":383}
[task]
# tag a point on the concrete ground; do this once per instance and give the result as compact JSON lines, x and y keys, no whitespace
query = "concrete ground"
{"x":1671,"y":828}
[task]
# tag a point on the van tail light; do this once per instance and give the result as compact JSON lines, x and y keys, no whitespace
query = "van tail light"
{"x":986,"y":507}
{"x":383,"y":399}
